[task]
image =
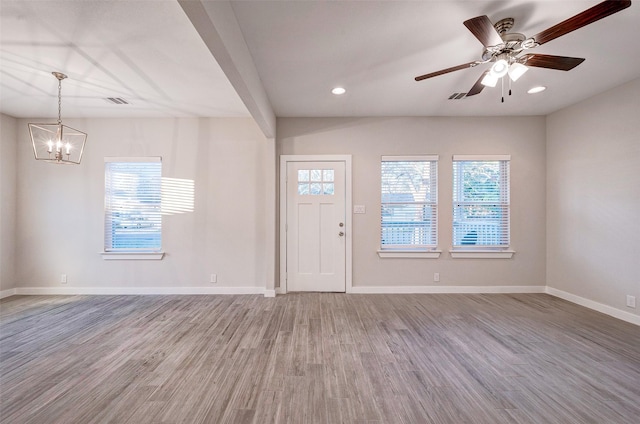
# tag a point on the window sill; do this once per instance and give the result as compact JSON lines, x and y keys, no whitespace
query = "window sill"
{"x":136,"y":256}
{"x":482,"y":254}
{"x":410,"y":254}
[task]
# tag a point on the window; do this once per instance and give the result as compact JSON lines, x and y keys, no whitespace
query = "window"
{"x":409,"y":202}
{"x":316,"y":182}
{"x":481,"y":202}
{"x":132,"y":219}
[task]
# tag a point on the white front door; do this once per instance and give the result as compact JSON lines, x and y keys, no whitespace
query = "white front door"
{"x":316,"y":227}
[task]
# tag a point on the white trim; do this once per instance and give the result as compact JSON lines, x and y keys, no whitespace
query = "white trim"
{"x":409,"y":254}
{"x":284,"y":159}
{"x":446,"y":289}
{"x":596,"y":306}
{"x":270,"y":217}
{"x":137,"y":256}
{"x":70,"y":291}
{"x":482,"y":254}
{"x":7,"y":293}
{"x":110,"y":159}
{"x":480,"y":157}
{"x":348,"y":207}
{"x":412,"y":158}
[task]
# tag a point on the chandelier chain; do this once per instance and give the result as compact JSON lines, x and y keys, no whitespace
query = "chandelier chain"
{"x":59,"y":102}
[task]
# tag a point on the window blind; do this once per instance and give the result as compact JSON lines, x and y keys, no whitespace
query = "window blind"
{"x":133,"y":205}
{"x":409,"y":202}
{"x":481,"y":202}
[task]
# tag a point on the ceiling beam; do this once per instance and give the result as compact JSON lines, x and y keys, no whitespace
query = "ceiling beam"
{"x":218,"y":27}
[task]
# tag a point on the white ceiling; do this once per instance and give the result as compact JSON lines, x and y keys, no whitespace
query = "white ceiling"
{"x":146,"y":52}
{"x":149,"y":53}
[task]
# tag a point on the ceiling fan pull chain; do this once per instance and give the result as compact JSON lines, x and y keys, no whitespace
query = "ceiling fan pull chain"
{"x":502,"y":90}
{"x":509,"y":86}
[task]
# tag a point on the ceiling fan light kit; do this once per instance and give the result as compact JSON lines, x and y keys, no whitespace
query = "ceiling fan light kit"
{"x":516,"y":70}
{"x":489,"y":80}
{"x":57,"y":143}
{"x":500,"y":68}
{"x":506,"y":50}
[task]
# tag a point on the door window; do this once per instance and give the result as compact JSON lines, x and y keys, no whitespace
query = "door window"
{"x":316,"y":182}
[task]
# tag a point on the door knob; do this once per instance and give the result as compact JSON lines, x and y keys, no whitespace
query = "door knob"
{"x":341,"y":234}
{"x":341,"y":224}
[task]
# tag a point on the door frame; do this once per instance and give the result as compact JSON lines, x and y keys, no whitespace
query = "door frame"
{"x":284,"y":160}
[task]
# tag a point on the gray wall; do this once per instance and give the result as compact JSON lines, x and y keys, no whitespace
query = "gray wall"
{"x":60,"y":208}
{"x":8,"y":175}
{"x":574,"y":174}
{"x":593,"y":197}
{"x":368,"y":139}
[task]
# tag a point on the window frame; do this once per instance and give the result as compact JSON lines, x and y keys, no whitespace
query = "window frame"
{"x":145,"y":253}
{"x":472,"y":251}
{"x":413,"y":250}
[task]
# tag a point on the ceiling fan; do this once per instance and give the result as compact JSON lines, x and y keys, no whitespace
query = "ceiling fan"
{"x":505,"y":49}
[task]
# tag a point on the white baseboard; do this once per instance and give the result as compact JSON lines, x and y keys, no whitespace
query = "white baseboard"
{"x":596,"y":306}
{"x":69,"y":291}
{"x":7,"y":293}
{"x":445,"y":289}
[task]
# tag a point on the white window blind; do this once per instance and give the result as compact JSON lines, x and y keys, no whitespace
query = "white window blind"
{"x":481,"y":202}
{"x":132,"y":221}
{"x":409,"y":202}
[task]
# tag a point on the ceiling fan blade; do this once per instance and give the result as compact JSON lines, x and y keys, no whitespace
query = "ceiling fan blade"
{"x":484,"y":31}
{"x":561,"y":63}
{"x":589,"y":16}
{"x":478,"y":86}
{"x":446,"y":71}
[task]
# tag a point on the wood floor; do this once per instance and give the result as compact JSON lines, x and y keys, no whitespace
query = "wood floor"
{"x":315,"y":358}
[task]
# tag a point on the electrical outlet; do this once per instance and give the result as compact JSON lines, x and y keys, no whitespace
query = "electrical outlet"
{"x":63,"y":278}
{"x":214,"y":278}
{"x":436,"y":276}
{"x":631,"y":301}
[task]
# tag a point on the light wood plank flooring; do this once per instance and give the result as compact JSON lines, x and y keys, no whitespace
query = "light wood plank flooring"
{"x":315,"y":358}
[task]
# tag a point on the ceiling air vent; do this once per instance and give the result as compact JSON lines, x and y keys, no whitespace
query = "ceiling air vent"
{"x":117,"y":100}
{"x":457,"y":96}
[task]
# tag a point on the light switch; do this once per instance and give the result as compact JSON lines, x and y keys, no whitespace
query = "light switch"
{"x":359,"y":209}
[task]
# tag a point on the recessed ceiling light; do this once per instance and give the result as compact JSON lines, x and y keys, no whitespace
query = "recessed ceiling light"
{"x":537,"y":89}
{"x":338,"y":91}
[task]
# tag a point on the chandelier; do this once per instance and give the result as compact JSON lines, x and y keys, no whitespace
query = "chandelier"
{"x":57,"y":143}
